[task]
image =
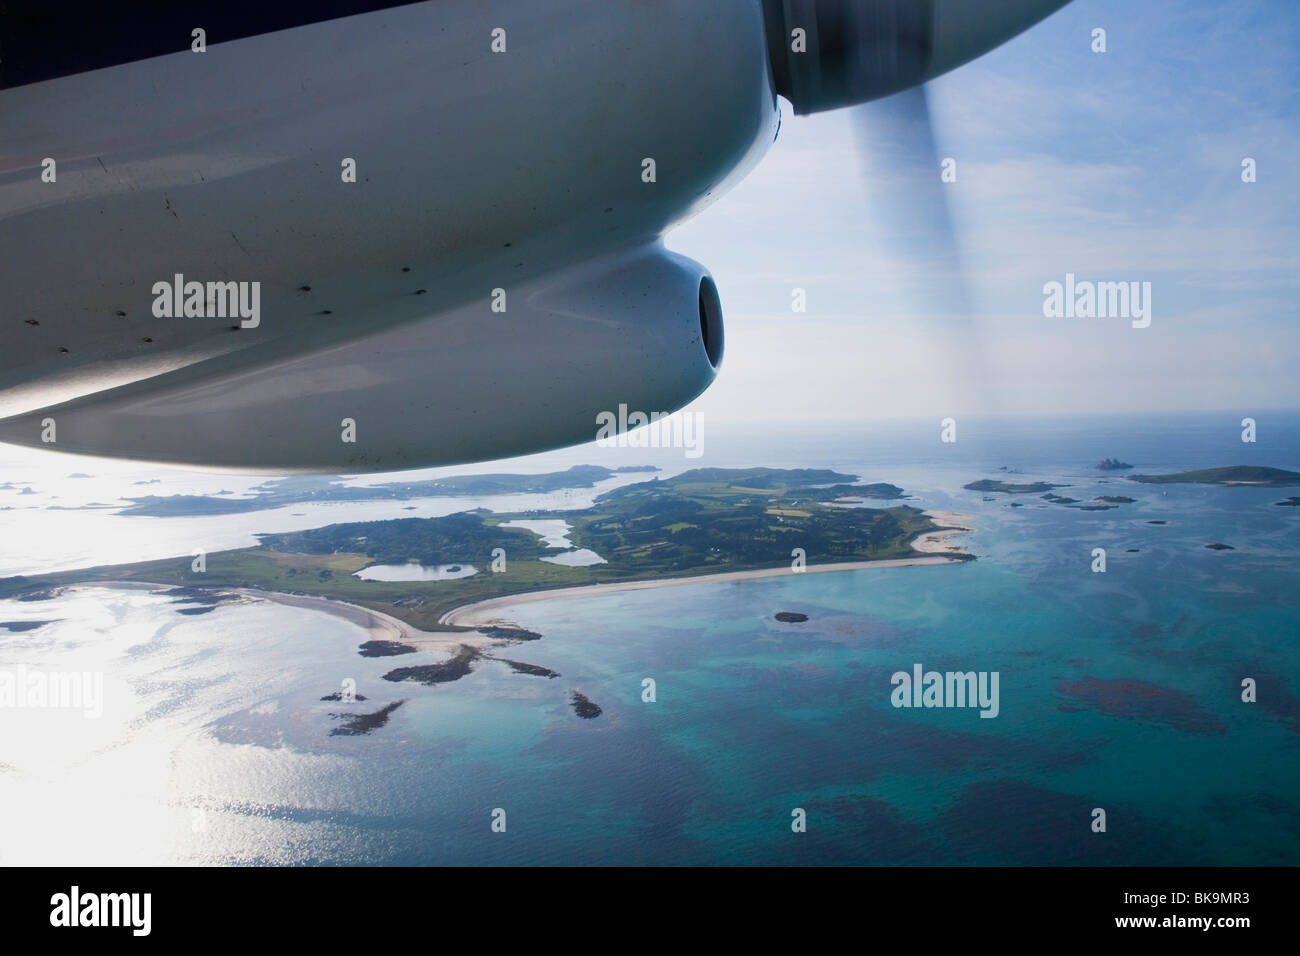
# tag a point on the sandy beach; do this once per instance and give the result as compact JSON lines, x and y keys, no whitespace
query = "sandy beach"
{"x":378,"y":625}
{"x":487,"y":612}
{"x":951,"y":524}
{"x":936,"y":547}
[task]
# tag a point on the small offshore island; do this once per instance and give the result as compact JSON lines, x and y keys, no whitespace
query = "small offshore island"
{"x":1010,"y":487}
{"x":1257,"y":475}
{"x":703,"y":522}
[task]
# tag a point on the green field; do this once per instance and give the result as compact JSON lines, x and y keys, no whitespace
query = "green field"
{"x":701,"y":522}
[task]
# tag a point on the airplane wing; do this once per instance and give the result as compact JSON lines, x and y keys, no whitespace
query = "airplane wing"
{"x":227,"y":234}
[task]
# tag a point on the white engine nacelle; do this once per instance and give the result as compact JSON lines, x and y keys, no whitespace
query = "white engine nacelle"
{"x":491,"y":379}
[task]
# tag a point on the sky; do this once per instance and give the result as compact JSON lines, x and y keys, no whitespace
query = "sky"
{"x":1115,"y":166}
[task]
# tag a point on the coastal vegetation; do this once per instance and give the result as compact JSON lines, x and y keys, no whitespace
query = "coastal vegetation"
{"x":704,"y":521}
{"x":1256,"y":475}
{"x":1010,"y":488}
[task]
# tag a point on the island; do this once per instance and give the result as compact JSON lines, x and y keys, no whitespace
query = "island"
{"x":584,"y":706}
{"x":1010,"y":488}
{"x":354,"y":725}
{"x":1256,"y":475}
{"x":703,"y":522}
{"x":1112,"y":464}
{"x":301,"y":489}
{"x":20,"y":626}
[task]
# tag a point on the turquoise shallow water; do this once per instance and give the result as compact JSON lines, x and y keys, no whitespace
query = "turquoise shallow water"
{"x":1118,"y":691}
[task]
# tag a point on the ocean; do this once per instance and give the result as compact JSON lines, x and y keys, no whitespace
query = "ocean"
{"x":1119,"y":692}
